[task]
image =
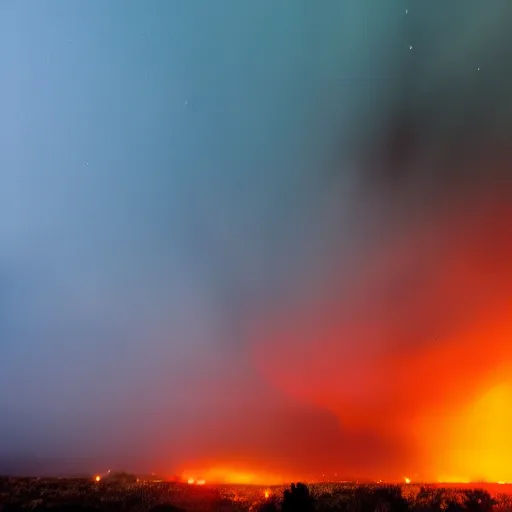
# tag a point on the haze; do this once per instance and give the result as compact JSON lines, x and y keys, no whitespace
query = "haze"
{"x":265,"y":238}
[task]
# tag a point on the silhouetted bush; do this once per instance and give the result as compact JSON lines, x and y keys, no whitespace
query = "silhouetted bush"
{"x":432,"y":498}
{"x":297,"y":499}
{"x":268,"y":506}
{"x":454,"y":506}
{"x":503,"y":502}
{"x":478,"y":500}
{"x":84,"y":495}
{"x":391,"y":498}
{"x":10,"y":507}
{"x":380,"y":499}
{"x":166,"y":507}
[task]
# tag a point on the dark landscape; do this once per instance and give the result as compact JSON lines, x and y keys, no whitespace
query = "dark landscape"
{"x":87,"y":495}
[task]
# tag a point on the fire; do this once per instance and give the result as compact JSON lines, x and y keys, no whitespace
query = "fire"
{"x":476,"y":445}
{"x":193,"y":481}
{"x":97,"y":478}
{"x":267,"y":495}
{"x":228,"y":475}
{"x":407,"y":480}
{"x":428,"y":348}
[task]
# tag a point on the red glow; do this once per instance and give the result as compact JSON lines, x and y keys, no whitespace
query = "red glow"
{"x":415,"y":350}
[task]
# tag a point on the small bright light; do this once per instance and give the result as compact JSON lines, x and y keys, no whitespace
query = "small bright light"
{"x":98,"y":478}
{"x":191,"y":481}
{"x":407,"y":480}
{"x":267,"y":495}
{"x":201,"y":482}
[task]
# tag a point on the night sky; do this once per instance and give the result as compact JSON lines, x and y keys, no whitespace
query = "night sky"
{"x":264,"y":237}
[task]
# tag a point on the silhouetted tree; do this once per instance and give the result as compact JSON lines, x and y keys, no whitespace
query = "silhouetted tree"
{"x":297,"y":499}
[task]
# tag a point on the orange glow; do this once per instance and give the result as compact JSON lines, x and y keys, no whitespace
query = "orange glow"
{"x":228,"y":475}
{"x":97,"y":478}
{"x":476,"y":441}
{"x":453,"y":480}
{"x":200,"y":482}
{"x":191,"y":481}
{"x":407,"y":480}
{"x":267,"y":495}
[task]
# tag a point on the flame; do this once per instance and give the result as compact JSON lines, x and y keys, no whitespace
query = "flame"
{"x":407,"y":480}
{"x":191,"y":481}
{"x":200,"y":482}
{"x":97,"y":478}
{"x":267,"y":495}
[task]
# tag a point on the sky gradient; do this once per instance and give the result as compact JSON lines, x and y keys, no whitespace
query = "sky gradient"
{"x":263,"y":236}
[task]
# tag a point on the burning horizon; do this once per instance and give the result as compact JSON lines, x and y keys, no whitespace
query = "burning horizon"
{"x":417,"y":348}
{"x":427,"y":368}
